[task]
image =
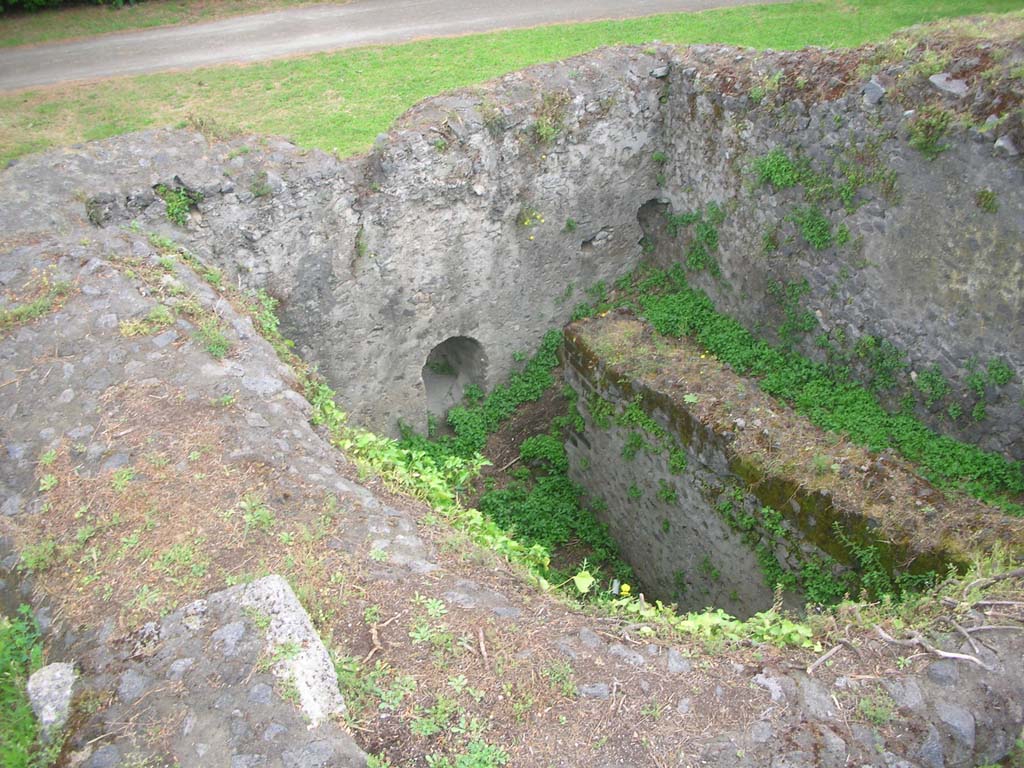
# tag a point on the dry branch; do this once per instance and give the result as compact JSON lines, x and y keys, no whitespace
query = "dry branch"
{"x":917,"y":640}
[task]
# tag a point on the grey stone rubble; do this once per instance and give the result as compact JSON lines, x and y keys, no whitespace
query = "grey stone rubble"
{"x":949,"y":85}
{"x":874,"y":91}
{"x":200,"y":673}
{"x":950,"y":731}
{"x":216,"y":670}
{"x":49,"y":691}
{"x":1004,"y":146}
{"x":310,"y":668}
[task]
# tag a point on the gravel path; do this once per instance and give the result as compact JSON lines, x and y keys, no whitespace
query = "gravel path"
{"x":302,"y":30}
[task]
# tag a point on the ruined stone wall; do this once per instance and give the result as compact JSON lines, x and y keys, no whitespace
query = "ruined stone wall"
{"x":464,"y":230}
{"x":377,"y":259}
{"x":703,"y":512}
{"x":485,"y":213}
{"x":664,"y":521}
{"x":923,"y":266}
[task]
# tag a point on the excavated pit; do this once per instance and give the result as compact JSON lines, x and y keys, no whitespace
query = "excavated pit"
{"x":718,"y":495}
{"x":867,"y":253}
{"x":410,"y":274}
{"x":457,"y":263}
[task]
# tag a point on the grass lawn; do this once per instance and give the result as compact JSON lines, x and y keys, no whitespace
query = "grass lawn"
{"x":341,"y":101}
{"x":88,"y":20}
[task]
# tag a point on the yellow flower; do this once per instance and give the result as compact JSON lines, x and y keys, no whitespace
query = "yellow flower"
{"x":624,"y":590}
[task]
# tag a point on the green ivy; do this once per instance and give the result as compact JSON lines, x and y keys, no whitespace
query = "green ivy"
{"x":677,"y":461}
{"x":178,"y":201}
{"x":927,"y":129}
{"x":601,"y":411}
{"x":975,"y":380}
{"x":633,"y":445}
{"x":546,"y":449}
{"x":814,"y":226}
{"x":771,"y":520}
{"x":776,"y":169}
{"x":704,"y":238}
{"x":775,"y":575}
{"x":820,"y":585}
{"x":858,"y":165}
{"x":546,"y":511}
{"x":979,"y":412}
{"x":634,"y":416}
{"x":472,"y":394}
{"x":797,"y":322}
{"x":667,"y":493}
{"x":933,"y":385}
{"x":999,"y":373}
{"x":883,"y":360}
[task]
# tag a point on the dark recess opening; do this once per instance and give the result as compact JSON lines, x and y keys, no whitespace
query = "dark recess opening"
{"x":656,"y":245}
{"x":452,"y":366}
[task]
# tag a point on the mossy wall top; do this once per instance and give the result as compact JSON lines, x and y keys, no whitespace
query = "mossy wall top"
{"x":717,"y":493}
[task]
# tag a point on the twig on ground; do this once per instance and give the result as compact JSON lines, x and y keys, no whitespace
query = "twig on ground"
{"x":823,"y":658}
{"x":376,"y":643}
{"x":966,"y":634}
{"x":916,"y":639}
{"x":995,"y":628}
{"x":1017,"y":573}
{"x":375,"y":636}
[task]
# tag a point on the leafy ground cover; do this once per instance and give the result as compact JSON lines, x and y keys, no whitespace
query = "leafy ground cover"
{"x":20,"y":655}
{"x":536,"y":503}
{"x":339,"y":102}
{"x":88,"y":20}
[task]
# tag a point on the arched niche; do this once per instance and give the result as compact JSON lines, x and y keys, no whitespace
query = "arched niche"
{"x":452,"y":366}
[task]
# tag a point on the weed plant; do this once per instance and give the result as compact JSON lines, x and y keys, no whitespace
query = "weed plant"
{"x":53,"y":293}
{"x":927,"y":130}
{"x":179,"y":202}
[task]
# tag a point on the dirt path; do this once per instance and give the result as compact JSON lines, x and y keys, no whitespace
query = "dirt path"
{"x":301,"y":30}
